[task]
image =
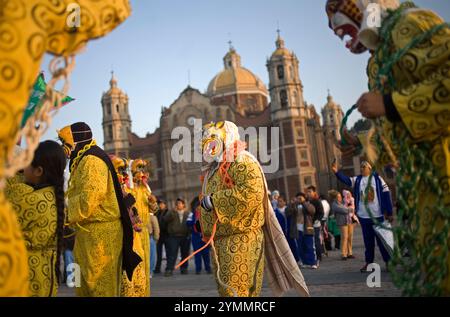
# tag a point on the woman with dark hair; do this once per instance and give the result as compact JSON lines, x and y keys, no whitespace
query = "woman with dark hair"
{"x":39,"y":205}
{"x":193,"y":222}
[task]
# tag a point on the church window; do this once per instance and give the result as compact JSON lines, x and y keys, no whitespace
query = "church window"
{"x":108,"y":109}
{"x":304,"y":155}
{"x":280,"y":71}
{"x":110,"y":131}
{"x":308,"y":180}
{"x":283,"y":98}
{"x":300,"y":133}
{"x":117,"y":108}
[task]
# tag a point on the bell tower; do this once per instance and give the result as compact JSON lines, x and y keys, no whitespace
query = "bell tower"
{"x":116,"y":120}
{"x":289,"y":112}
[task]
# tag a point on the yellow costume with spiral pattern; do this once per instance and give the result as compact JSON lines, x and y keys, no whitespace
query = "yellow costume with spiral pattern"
{"x":37,"y":214}
{"x":422,"y":98}
{"x":137,"y":287}
{"x":29,"y":29}
{"x":239,"y":221}
{"x":142,"y":194}
{"x":94,"y":212}
{"x":239,"y":236}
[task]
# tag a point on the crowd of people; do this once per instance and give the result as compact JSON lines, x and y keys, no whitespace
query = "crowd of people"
{"x":314,"y":224}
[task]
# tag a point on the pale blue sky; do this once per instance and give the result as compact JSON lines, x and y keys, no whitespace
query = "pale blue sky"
{"x":153,"y":50}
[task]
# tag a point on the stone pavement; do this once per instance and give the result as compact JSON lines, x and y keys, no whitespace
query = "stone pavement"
{"x":333,"y":278}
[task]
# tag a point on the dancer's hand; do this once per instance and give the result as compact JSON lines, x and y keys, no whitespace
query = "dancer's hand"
{"x":371,"y":105}
{"x":352,"y":145}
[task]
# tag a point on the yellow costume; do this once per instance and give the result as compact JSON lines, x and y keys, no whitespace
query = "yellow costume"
{"x":410,"y":67}
{"x":36,"y":212}
{"x":142,"y":194}
{"x":30,"y":29}
{"x":13,"y":254}
{"x":137,"y":287}
{"x":239,"y":237}
{"x":94,"y":213}
{"x":235,"y":215}
{"x":421,"y":98}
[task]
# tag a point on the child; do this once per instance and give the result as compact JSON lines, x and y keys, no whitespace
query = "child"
{"x":39,"y":205}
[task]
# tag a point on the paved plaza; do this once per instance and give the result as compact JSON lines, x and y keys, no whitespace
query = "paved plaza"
{"x":333,"y":278}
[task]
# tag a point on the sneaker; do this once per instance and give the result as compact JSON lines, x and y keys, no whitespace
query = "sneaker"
{"x":168,"y":273}
{"x":351,"y":256}
{"x":314,"y":267}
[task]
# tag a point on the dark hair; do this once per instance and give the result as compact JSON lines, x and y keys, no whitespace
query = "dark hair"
{"x":301,"y":194}
{"x":50,"y":156}
{"x":312,"y":187}
{"x":182,"y":200}
{"x":195,"y":203}
{"x":282,"y":196}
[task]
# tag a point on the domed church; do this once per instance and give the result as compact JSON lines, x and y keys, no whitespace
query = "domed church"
{"x":303,"y":147}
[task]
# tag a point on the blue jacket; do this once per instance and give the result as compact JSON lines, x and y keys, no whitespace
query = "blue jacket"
{"x":285,"y":222}
{"x":382,"y":191}
{"x":192,"y":223}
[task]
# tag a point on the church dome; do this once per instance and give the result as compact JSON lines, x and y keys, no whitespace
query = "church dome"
{"x":235,"y":78}
{"x":331,"y":105}
{"x":281,"y":49}
{"x":114,"y":90}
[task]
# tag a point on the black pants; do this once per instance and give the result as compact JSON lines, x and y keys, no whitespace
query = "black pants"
{"x":159,"y":247}
{"x":318,"y":243}
{"x":172,"y":246}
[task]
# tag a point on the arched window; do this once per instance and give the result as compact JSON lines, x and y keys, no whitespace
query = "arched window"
{"x":280,"y":71}
{"x":110,"y":132}
{"x":117,"y":108}
{"x":283,"y":99}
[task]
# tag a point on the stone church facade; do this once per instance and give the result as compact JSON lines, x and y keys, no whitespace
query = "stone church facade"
{"x":305,"y":145}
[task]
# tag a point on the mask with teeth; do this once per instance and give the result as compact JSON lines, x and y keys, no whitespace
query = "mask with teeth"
{"x":348,"y":18}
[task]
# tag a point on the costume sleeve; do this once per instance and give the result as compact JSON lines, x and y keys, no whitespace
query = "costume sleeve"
{"x":246,"y":196}
{"x":91,"y":186}
{"x":424,"y":107}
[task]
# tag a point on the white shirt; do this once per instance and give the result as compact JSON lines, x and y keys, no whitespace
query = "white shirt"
{"x":326,"y":209}
{"x":374,"y":205}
